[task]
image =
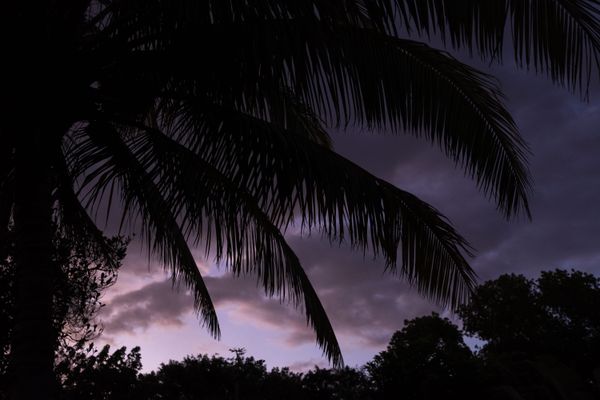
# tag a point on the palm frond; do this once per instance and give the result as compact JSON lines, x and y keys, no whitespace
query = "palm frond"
{"x":142,"y":20}
{"x":294,"y":115}
{"x":558,"y":37}
{"x":142,"y":197}
{"x":291,"y":176}
{"x":182,"y":192}
{"x":353,"y":76}
{"x":208,"y":204}
{"x":74,"y":221}
{"x":431,"y":94}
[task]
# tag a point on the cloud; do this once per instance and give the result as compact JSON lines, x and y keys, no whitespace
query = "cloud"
{"x":156,"y":303}
{"x":364,"y":305}
{"x":305,"y":366}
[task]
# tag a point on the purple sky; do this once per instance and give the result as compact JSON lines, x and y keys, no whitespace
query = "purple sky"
{"x":365,"y":305}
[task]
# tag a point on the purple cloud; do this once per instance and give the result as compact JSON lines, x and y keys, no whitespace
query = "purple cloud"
{"x":155,"y":303}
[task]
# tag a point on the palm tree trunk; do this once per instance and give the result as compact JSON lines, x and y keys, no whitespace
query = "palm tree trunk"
{"x":34,"y":338}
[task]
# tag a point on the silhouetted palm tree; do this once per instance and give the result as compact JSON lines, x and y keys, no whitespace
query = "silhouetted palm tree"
{"x":207,"y":119}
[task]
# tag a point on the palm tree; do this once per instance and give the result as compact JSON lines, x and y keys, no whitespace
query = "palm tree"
{"x":206,"y":122}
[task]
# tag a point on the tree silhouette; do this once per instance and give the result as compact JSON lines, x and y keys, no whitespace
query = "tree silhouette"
{"x":100,"y":375}
{"x":214,"y":377}
{"x":427,"y":359}
{"x":336,"y":384}
{"x":84,"y":274}
{"x":542,"y":336}
{"x":242,"y":377}
{"x":282,"y":383}
{"x":205,"y":121}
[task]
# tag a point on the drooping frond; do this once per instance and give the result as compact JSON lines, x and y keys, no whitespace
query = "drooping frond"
{"x":346,"y":75}
{"x":558,"y":37}
{"x":422,"y":90}
{"x":291,"y":176}
{"x":293,"y":115}
{"x":142,"y":198}
{"x":259,"y":247}
{"x":74,"y":221}
{"x":209,"y":209}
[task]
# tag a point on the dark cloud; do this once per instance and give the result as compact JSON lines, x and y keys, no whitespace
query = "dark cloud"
{"x":363,"y":301}
{"x":156,"y":303}
{"x":564,"y":139}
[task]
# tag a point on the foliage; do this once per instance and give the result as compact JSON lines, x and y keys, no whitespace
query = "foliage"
{"x":213,"y":377}
{"x":541,"y":341}
{"x":100,"y":375}
{"x":336,"y":384}
{"x":243,"y":377}
{"x":537,"y":317}
{"x":542,"y":335}
{"x":282,"y":383}
{"x":427,"y":359}
{"x":85,"y":273}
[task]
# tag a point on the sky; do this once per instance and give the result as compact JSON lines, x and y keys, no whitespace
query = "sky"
{"x":365,"y":304}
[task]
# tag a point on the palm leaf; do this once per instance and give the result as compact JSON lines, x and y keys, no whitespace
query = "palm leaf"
{"x":74,"y":221}
{"x":141,"y":196}
{"x":558,"y":37}
{"x":291,"y":176}
{"x":257,"y":247}
{"x":200,"y":198}
{"x":347,"y":76}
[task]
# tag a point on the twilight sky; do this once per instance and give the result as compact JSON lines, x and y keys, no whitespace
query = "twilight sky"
{"x":365,"y":305}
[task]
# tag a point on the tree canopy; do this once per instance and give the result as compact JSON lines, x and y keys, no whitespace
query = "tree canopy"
{"x":554,"y":316}
{"x":427,"y":359}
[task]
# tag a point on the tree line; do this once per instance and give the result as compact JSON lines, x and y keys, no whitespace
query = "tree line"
{"x":537,"y":339}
